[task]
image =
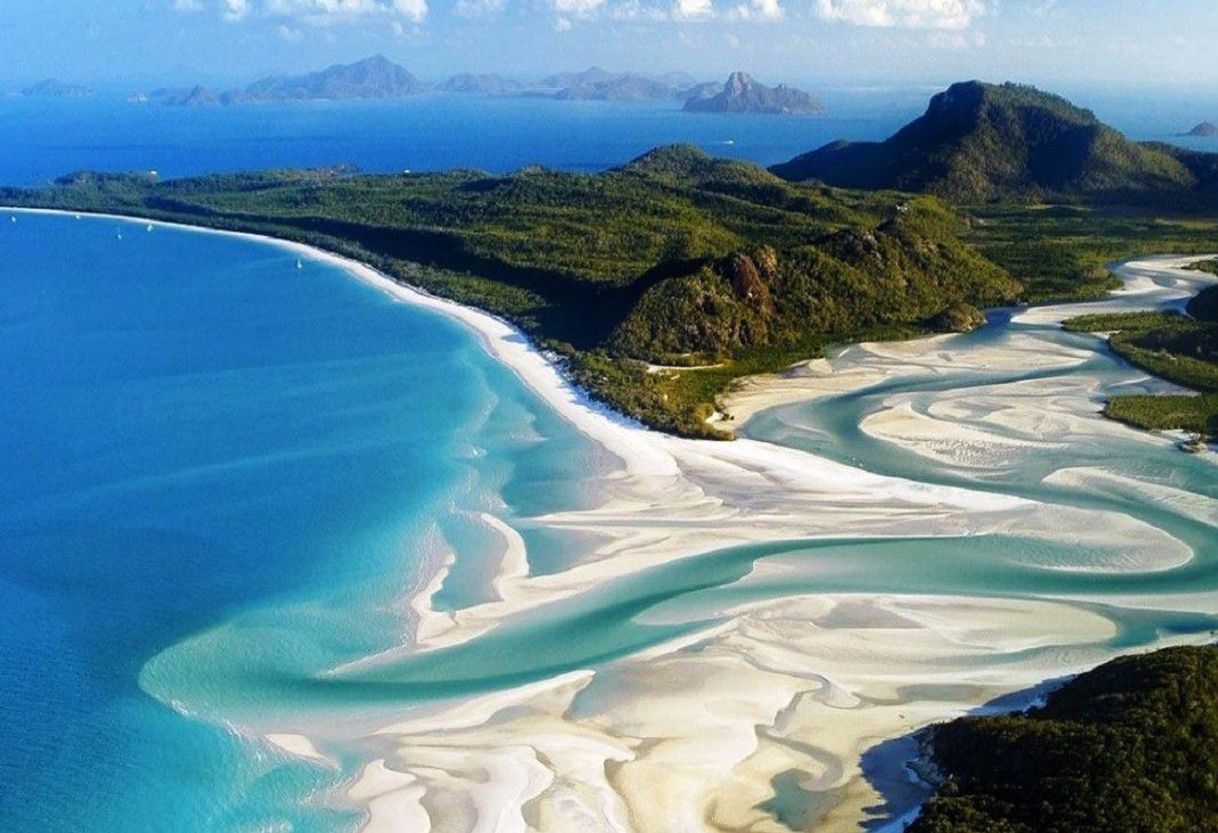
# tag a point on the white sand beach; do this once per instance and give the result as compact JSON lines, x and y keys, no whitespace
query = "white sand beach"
{"x":693,"y":735}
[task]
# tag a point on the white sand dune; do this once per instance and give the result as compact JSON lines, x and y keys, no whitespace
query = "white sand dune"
{"x":693,"y":735}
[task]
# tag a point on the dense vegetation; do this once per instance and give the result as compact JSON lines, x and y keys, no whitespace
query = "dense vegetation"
{"x":1063,"y":252}
{"x":1176,"y":347}
{"x":1130,"y":747}
{"x":1002,"y":151}
{"x":675,"y":258}
{"x":1210,"y":266}
{"x":983,"y":142}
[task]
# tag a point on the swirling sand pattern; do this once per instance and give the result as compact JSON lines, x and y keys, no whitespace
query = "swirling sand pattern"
{"x":752,"y":630}
{"x":728,"y":636}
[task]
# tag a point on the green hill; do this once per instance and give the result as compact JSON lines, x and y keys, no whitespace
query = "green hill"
{"x":983,"y":142}
{"x":674,"y":258}
{"x":1130,"y":747}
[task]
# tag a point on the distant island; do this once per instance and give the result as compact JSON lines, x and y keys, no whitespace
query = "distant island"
{"x":481,"y":84}
{"x":379,"y":78}
{"x":597,"y":84}
{"x":52,"y":88}
{"x":1204,"y":130}
{"x":373,"y":78}
{"x":742,"y":94}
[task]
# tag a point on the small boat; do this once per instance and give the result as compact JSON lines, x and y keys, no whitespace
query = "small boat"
{"x":149,"y":228}
{"x":77,"y":216}
{"x":299,"y":263}
{"x":118,"y":235}
{"x":12,"y":218}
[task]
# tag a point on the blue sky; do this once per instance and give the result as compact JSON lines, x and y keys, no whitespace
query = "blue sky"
{"x":1120,"y":42}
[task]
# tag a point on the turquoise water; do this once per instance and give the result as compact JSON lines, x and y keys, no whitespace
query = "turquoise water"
{"x":221,"y":474}
{"x":194,"y":432}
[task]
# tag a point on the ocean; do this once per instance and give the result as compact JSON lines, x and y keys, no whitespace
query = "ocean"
{"x":46,"y":138}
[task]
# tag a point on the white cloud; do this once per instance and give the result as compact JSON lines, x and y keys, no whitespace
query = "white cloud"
{"x":693,"y":9}
{"x":578,"y":8}
{"x":913,"y":14}
{"x":315,"y":12}
{"x":235,"y":10}
{"x":187,"y":6}
{"x":415,"y":10}
{"x":759,"y":10}
{"x":480,"y":8}
{"x":289,"y":34}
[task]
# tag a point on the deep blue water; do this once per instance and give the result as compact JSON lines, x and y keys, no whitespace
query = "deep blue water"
{"x":43,"y":139}
{"x":47,"y":138}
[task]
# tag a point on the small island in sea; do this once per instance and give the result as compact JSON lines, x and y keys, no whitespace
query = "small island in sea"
{"x":1204,"y":130}
{"x":743,"y":94}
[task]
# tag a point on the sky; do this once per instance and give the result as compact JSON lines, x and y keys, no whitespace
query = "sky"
{"x":817,"y":42}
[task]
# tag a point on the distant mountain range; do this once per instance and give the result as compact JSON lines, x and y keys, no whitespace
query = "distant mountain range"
{"x":51,"y":88}
{"x":372,"y":78}
{"x":597,"y":84}
{"x":985,"y":142}
{"x":481,"y":84}
{"x":380,"y":78}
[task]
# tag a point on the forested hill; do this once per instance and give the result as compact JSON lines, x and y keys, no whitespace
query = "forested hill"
{"x":675,"y":258}
{"x":1131,"y":747}
{"x":983,"y":142}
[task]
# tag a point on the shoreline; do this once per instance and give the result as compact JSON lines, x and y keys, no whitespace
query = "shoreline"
{"x":703,"y":726}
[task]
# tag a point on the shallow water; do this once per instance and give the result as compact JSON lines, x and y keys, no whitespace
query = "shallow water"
{"x":197,"y":432}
